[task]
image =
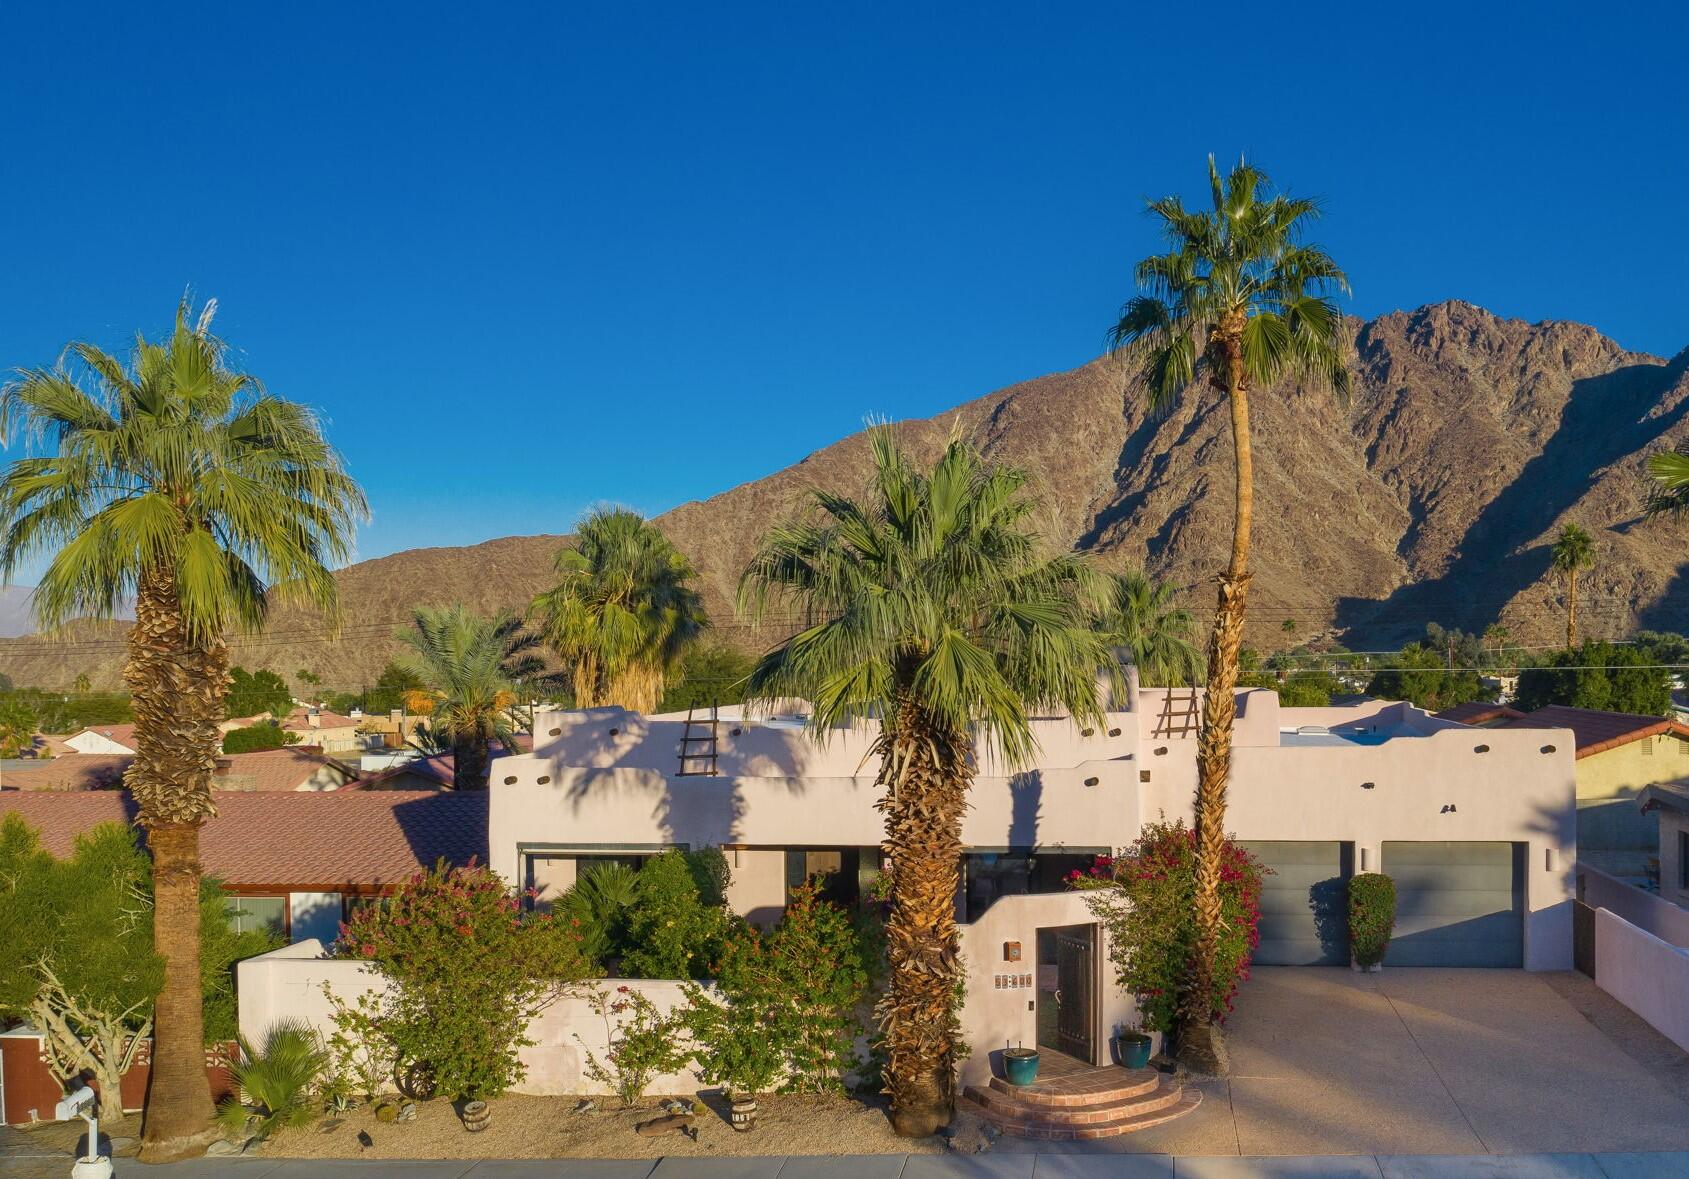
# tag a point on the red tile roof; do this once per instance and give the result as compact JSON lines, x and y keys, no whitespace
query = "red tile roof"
{"x":1596,"y":731}
{"x":343,"y":840}
{"x":299,"y":720}
{"x":1478,"y":712}
{"x":72,"y":771}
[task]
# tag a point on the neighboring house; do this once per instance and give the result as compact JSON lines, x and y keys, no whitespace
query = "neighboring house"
{"x":1478,"y":829}
{"x":1618,"y":756}
{"x":415,"y":773}
{"x":295,"y":767}
{"x":329,"y":731}
{"x":1669,"y":803}
{"x":298,"y":861}
{"x":105,"y":739}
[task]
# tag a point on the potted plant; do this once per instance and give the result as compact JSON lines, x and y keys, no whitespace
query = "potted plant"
{"x":1372,"y":918}
{"x":1020,"y":1065}
{"x":1132,"y":1047}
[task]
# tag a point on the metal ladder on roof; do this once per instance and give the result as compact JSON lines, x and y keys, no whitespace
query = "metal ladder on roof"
{"x":698,"y":744}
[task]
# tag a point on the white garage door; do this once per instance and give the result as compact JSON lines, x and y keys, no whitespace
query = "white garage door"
{"x":1457,"y":904}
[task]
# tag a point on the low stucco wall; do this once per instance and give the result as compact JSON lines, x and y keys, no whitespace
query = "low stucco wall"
{"x":1646,"y":974}
{"x":1645,"y":911}
{"x":288,"y":984}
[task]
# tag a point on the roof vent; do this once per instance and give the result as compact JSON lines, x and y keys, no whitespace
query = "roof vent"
{"x":1547,"y":749}
{"x":1161,"y":751}
{"x":1480,"y":749}
{"x":510,"y":781}
{"x":555,"y":733}
{"x":1091,"y":781}
{"x":545,"y":779}
{"x":1114,"y":732}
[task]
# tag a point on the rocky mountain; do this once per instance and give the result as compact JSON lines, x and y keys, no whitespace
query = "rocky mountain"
{"x":1469,"y":440}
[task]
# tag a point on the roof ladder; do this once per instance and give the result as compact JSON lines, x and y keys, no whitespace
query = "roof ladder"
{"x":698,"y":744}
{"x":1169,"y":724}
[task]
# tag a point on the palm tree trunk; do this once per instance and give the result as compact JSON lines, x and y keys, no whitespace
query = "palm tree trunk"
{"x":178,"y":682}
{"x":471,"y":759}
{"x":1571,"y":609}
{"x":1200,"y":1046}
{"x":926,"y":777}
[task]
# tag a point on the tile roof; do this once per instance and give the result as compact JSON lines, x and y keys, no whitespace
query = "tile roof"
{"x":1597,"y":731}
{"x":288,"y":768}
{"x":1478,"y":712}
{"x":336,"y":841}
{"x":300,"y":719}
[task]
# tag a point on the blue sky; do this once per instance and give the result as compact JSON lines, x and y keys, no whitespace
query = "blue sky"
{"x":526,"y":258}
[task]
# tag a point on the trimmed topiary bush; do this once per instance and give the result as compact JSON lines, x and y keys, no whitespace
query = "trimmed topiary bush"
{"x":1372,"y":916}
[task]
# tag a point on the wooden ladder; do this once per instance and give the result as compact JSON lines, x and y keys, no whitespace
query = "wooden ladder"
{"x":699,"y":732}
{"x":1168,"y":724}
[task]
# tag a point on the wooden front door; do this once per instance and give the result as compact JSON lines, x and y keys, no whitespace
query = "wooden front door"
{"x":1076,"y":992}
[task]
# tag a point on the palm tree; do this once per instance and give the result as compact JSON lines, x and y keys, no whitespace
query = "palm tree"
{"x":624,"y":611}
{"x":1141,"y":616}
{"x":474,"y":667}
{"x":928,"y":607}
{"x":1242,"y":293}
{"x":1670,"y":471}
{"x":1573,"y":551}
{"x":82,"y":684}
{"x":179,"y":483}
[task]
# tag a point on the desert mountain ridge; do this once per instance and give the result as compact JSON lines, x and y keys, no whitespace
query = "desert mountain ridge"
{"x":1469,"y":440}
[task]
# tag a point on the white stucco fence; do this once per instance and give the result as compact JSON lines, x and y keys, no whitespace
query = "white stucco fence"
{"x":289,"y":984}
{"x":1648,"y":975}
{"x":1646,"y":911}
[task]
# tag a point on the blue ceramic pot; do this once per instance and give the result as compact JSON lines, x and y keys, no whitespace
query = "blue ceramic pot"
{"x":1020,"y":1065}
{"x":1133,"y":1050}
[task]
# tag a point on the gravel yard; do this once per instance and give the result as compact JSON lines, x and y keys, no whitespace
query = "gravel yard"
{"x":545,"y":1127}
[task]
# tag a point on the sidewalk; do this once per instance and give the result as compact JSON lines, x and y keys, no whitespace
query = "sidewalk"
{"x":1664,"y":1165}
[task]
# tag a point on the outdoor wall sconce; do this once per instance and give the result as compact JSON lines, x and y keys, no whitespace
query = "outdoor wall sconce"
{"x":1480,"y":749}
{"x":1448,"y":809}
{"x":510,"y":781}
{"x":1368,"y":785}
{"x":1547,"y":749}
{"x":1091,"y":781}
{"x":1011,"y":951}
{"x":545,"y":779}
{"x":1114,"y":732}
{"x":1161,"y":751}
{"x":555,"y":733}
{"x":1143,"y":775}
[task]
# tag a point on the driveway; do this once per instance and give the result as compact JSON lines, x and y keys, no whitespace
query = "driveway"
{"x":1440,"y":1062}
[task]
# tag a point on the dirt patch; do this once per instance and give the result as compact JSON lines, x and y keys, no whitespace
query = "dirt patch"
{"x":545,"y":1127}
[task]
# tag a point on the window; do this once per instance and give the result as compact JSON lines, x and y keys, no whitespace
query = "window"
{"x":840,"y":870}
{"x":1016,"y":872}
{"x":249,"y":913}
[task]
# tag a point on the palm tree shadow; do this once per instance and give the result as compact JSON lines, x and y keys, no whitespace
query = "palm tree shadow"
{"x":1606,"y":419}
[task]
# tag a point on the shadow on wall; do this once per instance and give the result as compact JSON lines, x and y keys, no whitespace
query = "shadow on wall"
{"x":1026,"y":802}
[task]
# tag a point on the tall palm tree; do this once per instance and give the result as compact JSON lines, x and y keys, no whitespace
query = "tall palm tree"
{"x":1241,"y":293}
{"x":928,"y":607}
{"x":624,"y":611}
{"x":1573,"y":551}
{"x":474,"y":667}
{"x":1141,"y":616}
{"x":182,"y":484}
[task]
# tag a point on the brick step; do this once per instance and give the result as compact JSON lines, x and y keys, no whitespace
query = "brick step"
{"x":1087,"y":1088}
{"x":1006,"y":1105}
{"x":1048,"y":1130}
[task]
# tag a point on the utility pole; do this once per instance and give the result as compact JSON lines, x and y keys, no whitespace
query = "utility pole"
{"x":1451,"y":651}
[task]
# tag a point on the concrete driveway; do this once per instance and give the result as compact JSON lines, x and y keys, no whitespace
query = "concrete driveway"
{"x":1439,"y":1062}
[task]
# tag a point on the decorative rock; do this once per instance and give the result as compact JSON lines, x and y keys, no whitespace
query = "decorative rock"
{"x":667,"y":1124}
{"x":407,"y":1112}
{"x":476,"y":1116}
{"x":121,"y":1145}
{"x":677,"y":1105}
{"x":222,"y":1148}
{"x":386,"y":1112}
{"x":971,"y":1135}
{"x":585,"y":1105}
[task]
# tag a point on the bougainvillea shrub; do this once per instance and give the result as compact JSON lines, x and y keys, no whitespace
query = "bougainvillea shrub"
{"x":1144,"y":897}
{"x":1372,"y":916}
{"x":469,"y":967}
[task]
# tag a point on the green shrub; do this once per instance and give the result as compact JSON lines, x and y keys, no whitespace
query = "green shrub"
{"x":1146,"y":902}
{"x":274,"y":1087}
{"x":671,"y":932}
{"x":642,"y":1043}
{"x":1372,"y":916}
{"x":254,"y":738}
{"x":468,"y":969}
{"x":788,"y":1002}
{"x":596,"y":906}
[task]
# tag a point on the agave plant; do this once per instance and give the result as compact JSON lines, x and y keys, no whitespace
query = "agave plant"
{"x":273,"y":1087}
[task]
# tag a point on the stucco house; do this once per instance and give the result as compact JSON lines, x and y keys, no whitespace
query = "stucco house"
{"x":1478,"y":827}
{"x":1668,"y":803}
{"x":103,"y":739}
{"x":297,"y":861}
{"x":294,"y":767}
